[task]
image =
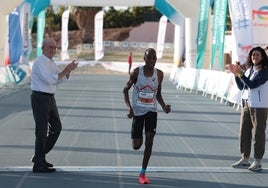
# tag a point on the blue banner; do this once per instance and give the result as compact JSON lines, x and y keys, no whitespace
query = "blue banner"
{"x":166,"y":9}
{"x":38,"y":5}
{"x":15,"y":39}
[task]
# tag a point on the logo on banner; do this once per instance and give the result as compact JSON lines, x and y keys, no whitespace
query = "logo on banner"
{"x":18,"y":73}
{"x":259,"y":17}
{"x":261,"y":13}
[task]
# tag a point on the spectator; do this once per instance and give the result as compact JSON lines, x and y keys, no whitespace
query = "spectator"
{"x":254,"y":86}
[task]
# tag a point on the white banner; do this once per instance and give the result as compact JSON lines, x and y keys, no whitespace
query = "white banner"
{"x":25,"y":17}
{"x":6,"y":39}
{"x":240,"y":12}
{"x":161,"y":36}
{"x":3,"y":38}
{"x":260,"y":22}
{"x":98,"y":30}
{"x":64,"y":35}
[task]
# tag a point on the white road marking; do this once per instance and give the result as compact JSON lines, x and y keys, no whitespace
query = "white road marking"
{"x":129,"y":169}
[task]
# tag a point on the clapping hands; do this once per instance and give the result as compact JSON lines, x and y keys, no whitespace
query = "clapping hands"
{"x":67,"y":70}
{"x":235,"y":69}
{"x":72,"y":65}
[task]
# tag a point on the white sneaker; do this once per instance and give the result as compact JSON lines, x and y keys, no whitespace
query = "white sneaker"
{"x":242,"y":163}
{"x":255,"y":166}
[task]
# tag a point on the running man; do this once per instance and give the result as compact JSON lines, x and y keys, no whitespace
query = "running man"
{"x":147,"y":82}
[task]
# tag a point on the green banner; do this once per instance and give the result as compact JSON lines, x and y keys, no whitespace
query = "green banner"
{"x":41,"y":21}
{"x":218,"y":34}
{"x":202,"y":32}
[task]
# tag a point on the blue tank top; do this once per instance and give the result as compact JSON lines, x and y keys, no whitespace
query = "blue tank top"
{"x":144,"y":93}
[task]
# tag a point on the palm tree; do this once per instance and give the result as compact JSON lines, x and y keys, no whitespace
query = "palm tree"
{"x":84,"y":18}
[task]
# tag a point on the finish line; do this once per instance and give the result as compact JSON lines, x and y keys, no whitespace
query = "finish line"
{"x":129,"y":169}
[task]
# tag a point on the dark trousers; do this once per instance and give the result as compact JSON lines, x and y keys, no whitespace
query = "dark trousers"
{"x":253,"y":119}
{"x":47,"y":124}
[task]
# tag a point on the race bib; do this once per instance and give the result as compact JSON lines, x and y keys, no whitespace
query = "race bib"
{"x":145,"y":99}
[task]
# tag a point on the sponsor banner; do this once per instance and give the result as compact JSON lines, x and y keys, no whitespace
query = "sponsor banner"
{"x":98,"y":30}
{"x":15,"y":39}
{"x":260,"y":22}
{"x":161,"y":36}
{"x":25,"y":17}
{"x":37,"y":6}
{"x":240,"y":12}
{"x":41,"y":19}
{"x":202,"y":32}
{"x":18,"y":73}
{"x":219,"y":19}
{"x":64,"y":35}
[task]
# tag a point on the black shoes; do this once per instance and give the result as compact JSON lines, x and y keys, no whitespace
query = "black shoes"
{"x":42,"y":168}
{"x":45,"y":162}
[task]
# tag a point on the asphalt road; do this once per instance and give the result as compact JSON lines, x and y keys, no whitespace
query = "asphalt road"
{"x":194,"y":147}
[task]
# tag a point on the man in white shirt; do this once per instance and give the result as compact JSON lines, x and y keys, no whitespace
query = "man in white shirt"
{"x":45,"y":77}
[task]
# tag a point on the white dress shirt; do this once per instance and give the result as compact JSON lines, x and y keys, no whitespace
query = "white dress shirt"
{"x":44,"y":75}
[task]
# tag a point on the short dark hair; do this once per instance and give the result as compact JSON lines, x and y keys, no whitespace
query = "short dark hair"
{"x":148,"y":50}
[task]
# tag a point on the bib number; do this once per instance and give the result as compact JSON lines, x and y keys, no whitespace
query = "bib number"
{"x":146,"y":99}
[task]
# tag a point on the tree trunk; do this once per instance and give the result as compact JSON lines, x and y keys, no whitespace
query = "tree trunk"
{"x":84,"y":18}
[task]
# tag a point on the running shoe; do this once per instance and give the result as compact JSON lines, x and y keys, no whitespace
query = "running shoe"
{"x":255,"y":166}
{"x":242,"y":163}
{"x":143,"y":179}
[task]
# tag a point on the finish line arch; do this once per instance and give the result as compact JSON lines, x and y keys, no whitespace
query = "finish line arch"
{"x":183,"y":14}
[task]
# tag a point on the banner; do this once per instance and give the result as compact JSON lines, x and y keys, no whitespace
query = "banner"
{"x":5,"y":8}
{"x":219,"y":20}
{"x":3,"y":36}
{"x":64,"y":35}
{"x":38,"y":6}
{"x":240,"y":12}
{"x":4,"y":50}
{"x":25,"y":17}
{"x":98,"y":31}
{"x":179,"y":45}
{"x":161,"y":36}
{"x":202,"y":32}
{"x":18,"y":73}
{"x":260,"y":22}
{"x":15,"y":40}
{"x":40,"y":32}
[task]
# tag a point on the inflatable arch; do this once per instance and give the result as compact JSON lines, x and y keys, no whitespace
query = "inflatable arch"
{"x":183,"y":14}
